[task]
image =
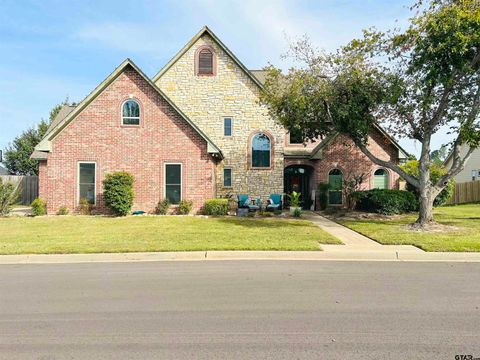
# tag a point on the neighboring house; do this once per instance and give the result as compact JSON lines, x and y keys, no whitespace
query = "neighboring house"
{"x":3,"y":171}
{"x":195,"y":131}
{"x":471,"y":172}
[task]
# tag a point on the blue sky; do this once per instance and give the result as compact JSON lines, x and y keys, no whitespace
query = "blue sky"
{"x":52,"y":49}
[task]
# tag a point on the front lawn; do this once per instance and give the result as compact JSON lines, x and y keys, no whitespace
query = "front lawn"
{"x":394,"y":232}
{"x":89,"y":234}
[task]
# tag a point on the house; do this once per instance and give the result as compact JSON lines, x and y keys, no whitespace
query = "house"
{"x":3,"y":171}
{"x":471,"y":172}
{"x":195,"y":131}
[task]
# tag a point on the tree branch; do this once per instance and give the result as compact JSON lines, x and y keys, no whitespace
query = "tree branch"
{"x":458,"y":164}
{"x":412,"y":180}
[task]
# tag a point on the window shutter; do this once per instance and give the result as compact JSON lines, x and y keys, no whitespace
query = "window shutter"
{"x":205,"y":62}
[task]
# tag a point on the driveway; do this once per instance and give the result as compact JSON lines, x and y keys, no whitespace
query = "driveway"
{"x":240,"y":310}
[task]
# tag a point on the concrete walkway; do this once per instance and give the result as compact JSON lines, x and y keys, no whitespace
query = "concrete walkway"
{"x":356,"y":243}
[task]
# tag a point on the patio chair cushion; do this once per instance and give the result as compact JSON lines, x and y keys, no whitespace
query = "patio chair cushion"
{"x":243,"y":200}
{"x":276,"y":198}
{"x":273,"y":206}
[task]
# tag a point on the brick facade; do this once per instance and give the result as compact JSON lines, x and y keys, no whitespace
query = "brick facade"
{"x":97,"y":135}
{"x":342,"y":154}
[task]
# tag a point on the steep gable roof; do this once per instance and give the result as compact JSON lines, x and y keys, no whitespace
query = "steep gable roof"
{"x":61,"y":123}
{"x":62,"y":114}
{"x":206,"y":30}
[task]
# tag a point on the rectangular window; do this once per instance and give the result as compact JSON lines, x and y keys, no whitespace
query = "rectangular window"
{"x":173,"y":182}
{"x":86,"y":181}
{"x":296,"y":136}
{"x":227,"y":177}
{"x":227,"y":126}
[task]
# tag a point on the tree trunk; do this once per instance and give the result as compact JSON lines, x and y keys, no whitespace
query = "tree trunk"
{"x":426,"y":191}
{"x":425,"y":215}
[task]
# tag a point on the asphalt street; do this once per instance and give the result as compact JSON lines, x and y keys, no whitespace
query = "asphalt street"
{"x":240,"y":310}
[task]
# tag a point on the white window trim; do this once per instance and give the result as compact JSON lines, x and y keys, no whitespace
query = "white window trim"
{"x":231,"y":126}
{"x":165,"y":179}
{"x":94,"y":183}
{"x":131,"y":117}
{"x":231,"y":177}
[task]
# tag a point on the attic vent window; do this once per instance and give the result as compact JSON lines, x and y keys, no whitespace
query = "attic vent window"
{"x":205,"y":61}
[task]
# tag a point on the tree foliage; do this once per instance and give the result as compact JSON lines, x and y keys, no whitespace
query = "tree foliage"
{"x":436,"y":172}
{"x":17,"y":154}
{"x":412,"y":82}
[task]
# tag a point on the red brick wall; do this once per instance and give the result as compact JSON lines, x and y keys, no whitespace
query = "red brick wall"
{"x":344,"y":155}
{"x":96,"y":135}
{"x":341,"y":153}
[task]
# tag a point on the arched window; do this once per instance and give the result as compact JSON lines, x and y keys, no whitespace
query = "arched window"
{"x":130,"y":113}
{"x":380,"y":179}
{"x":335,"y":182}
{"x":205,"y":61}
{"x":261,"y":149}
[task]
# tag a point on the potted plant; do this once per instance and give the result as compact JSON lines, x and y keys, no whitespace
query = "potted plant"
{"x":294,"y":202}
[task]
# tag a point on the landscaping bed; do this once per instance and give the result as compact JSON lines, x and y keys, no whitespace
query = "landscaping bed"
{"x":92,"y":234}
{"x":461,"y":230}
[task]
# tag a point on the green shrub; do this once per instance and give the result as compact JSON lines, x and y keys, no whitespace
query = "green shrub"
{"x":84,"y":207}
{"x":39,"y":207}
{"x":162,"y":207}
{"x":8,"y":196}
{"x":184,"y":207}
{"x":216,"y":207}
{"x":323,"y":195}
{"x":436,"y":172}
{"x":118,"y":192}
{"x":297,"y":213}
{"x":63,"y":210}
{"x":385,"y":201}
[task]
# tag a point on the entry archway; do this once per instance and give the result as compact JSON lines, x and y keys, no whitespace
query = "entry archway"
{"x":297,"y":178}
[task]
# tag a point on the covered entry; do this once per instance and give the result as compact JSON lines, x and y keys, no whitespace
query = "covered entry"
{"x":297,"y":178}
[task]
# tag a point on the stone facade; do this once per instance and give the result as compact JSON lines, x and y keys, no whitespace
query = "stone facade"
{"x":97,"y":135}
{"x":229,"y":93}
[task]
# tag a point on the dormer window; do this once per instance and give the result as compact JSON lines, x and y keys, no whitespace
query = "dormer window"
{"x":205,"y":61}
{"x":131,"y":113}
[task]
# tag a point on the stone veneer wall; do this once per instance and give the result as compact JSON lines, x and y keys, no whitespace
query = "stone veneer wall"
{"x":230,"y":93}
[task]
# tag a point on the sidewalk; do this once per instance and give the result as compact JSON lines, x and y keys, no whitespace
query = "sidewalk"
{"x":356,"y":248}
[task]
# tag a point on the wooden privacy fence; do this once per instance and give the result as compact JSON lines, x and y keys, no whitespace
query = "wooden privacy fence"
{"x":28,"y":187}
{"x":466,"y":192}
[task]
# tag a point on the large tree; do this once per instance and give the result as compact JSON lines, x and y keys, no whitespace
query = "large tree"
{"x":412,"y":82}
{"x":17,"y":154}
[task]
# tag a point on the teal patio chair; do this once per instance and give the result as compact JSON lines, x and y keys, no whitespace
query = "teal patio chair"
{"x":275,"y":203}
{"x":245,"y":203}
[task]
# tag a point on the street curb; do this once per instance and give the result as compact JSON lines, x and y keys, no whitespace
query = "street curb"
{"x":337,"y":255}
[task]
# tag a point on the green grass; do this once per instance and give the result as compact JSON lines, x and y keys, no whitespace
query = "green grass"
{"x":393,"y":232}
{"x":89,"y":234}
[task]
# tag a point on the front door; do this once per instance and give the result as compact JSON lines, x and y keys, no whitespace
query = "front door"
{"x":297,"y":178}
